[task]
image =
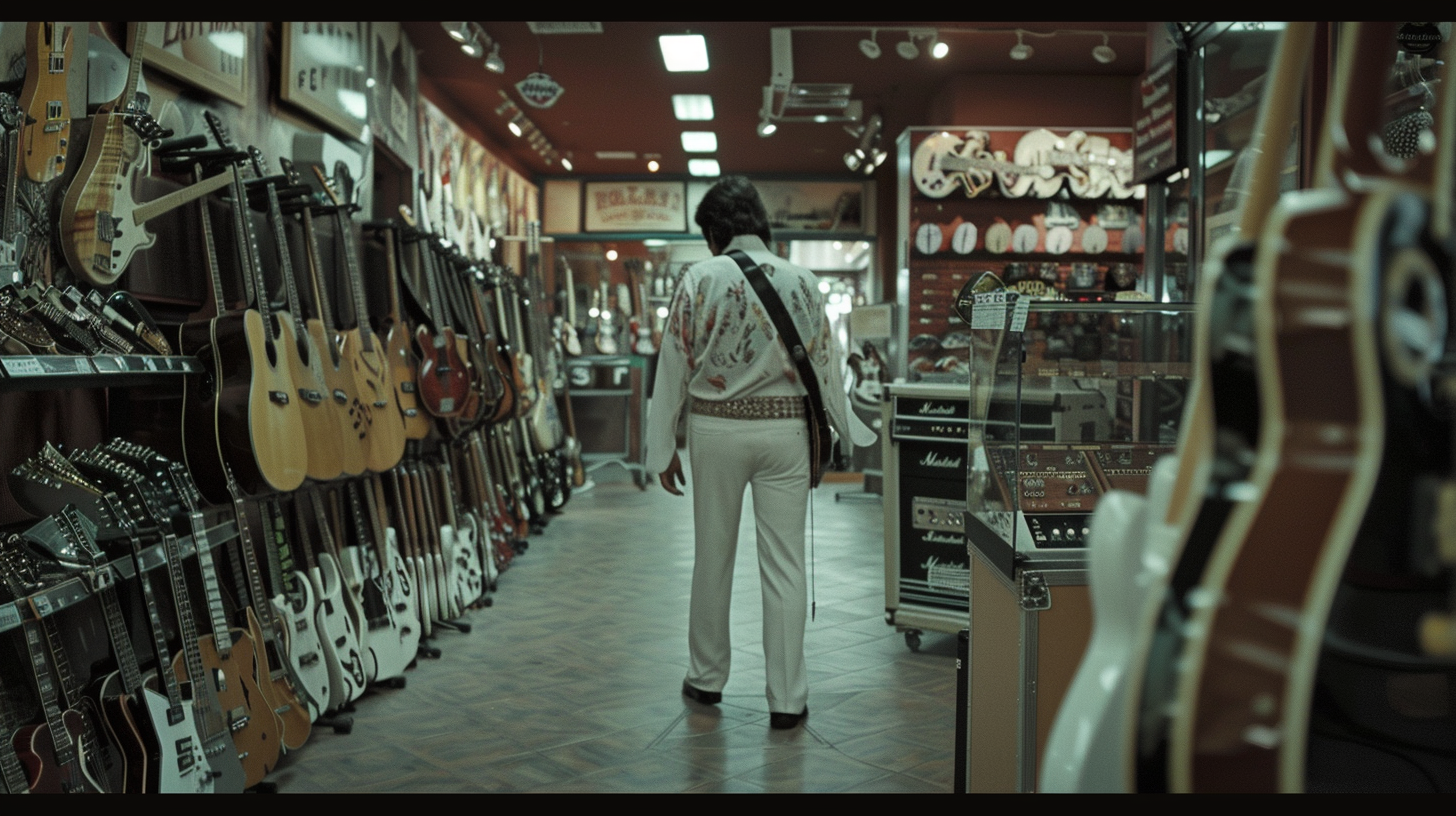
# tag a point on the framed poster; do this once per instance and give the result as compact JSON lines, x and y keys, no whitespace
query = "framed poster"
{"x":635,"y":206}
{"x":210,"y":56}
{"x":324,"y":74}
{"x":394,"y":68}
{"x":813,"y":206}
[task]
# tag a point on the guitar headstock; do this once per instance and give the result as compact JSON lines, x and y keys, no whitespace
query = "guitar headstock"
{"x":219,"y":130}
{"x":332,"y":190}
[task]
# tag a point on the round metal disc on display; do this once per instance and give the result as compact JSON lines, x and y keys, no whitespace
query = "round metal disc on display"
{"x":963,"y":240}
{"x":928,"y":239}
{"x":1058,"y":240}
{"x":1094,"y":239}
{"x":1024,"y":238}
{"x":998,"y":237}
{"x":1132,"y":239}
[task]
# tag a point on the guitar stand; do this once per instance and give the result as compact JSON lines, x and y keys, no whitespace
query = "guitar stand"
{"x":391,"y":682}
{"x":341,"y":723}
{"x":431,"y":652}
{"x":463,"y":627}
{"x":264,"y":787}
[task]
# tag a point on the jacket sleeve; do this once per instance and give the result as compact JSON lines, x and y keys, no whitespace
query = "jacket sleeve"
{"x":670,"y":388}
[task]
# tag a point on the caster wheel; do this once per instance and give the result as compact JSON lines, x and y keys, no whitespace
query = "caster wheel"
{"x":912,"y":639}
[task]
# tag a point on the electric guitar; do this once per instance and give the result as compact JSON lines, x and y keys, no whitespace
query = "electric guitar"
{"x":1218,"y":433}
{"x":403,"y":362}
{"x":944,"y":161}
{"x":59,"y":754}
{"x":337,"y":633}
{"x":294,"y":611}
{"x":46,"y":135}
{"x":1088,"y":164}
{"x":1354,"y":281}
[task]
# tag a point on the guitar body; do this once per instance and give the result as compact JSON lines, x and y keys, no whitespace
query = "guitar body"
{"x":37,"y":750}
{"x":46,"y":135}
{"x":444,"y":380}
{"x":183,"y":766}
{"x":298,"y":615}
{"x":128,"y":726}
{"x":403,"y":600}
{"x":347,"y":678}
{"x":285,"y":702}
{"x":255,"y":729}
{"x":324,"y":424}
{"x":405,"y":373}
{"x":372,"y":384}
{"x":98,"y":239}
{"x":352,"y":414}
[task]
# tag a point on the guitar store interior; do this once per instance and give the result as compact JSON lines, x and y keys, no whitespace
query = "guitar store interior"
{"x":343,"y":490}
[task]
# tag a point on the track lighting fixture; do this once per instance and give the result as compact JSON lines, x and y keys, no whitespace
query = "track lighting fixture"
{"x":515,"y":124}
{"x":938,"y":47}
{"x":494,"y":63}
{"x":459,"y":32}
{"x":766,"y":127}
{"x":908,"y":49}
{"x":1021,"y":50}
{"x":1104,"y":53}
{"x":867,"y":155}
{"x":869,"y":47}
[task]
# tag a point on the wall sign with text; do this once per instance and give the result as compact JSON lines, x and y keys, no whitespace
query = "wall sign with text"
{"x":635,"y":206}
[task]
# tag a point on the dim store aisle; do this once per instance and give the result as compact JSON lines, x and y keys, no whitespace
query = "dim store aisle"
{"x":570,"y":681}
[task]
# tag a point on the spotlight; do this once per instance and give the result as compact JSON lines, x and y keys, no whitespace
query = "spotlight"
{"x":851,"y":160}
{"x":939,"y":49}
{"x":766,"y":128}
{"x":459,"y":32}
{"x":494,"y":63}
{"x":653,"y":166}
{"x":1104,"y":53}
{"x":471,"y":46}
{"x":566,"y":164}
{"x":908,"y":49}
{"x":515,"y":124}
{"x":869,"y":47}
{"x":1021,"y":50}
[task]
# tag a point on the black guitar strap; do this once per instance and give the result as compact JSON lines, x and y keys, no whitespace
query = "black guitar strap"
{"x":785,"y":324}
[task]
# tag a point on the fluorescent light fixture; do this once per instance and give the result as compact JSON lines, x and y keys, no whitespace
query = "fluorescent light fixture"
{"x":684,"y":52}
{"x":699,"y":141}
{"x":704,"y":167}
{"x":692,"y":107}
{"x":616,"y":154}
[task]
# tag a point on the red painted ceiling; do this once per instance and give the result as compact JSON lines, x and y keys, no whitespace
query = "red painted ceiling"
{"x":618,"y":94}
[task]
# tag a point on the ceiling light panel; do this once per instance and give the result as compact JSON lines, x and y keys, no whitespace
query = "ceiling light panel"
{"x":692,"y":107}
{"x":699,"y":141}
{"x":704,"y":167}
{"x":564,"y":28}
{"x":684,"y":52}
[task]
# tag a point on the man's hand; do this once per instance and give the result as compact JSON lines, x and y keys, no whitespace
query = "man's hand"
{"x":672,"y":476}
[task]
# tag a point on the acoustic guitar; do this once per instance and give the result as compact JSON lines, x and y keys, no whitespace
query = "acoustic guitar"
{"x":360,"y":346}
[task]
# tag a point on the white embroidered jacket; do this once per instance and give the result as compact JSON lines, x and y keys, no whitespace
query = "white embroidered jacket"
{"x":720,"y":344}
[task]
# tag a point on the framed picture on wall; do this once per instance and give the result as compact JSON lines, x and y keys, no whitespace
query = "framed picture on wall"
{"x":813,"y":206}
{"x":209,"y":56}
{"x":394,"y":68}
{"x":325,"y":74}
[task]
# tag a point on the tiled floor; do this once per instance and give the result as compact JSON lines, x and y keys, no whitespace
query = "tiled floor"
{"x":570,"y":682}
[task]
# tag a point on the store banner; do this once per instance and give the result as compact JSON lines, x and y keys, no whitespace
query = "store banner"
{"x":636,"y":206}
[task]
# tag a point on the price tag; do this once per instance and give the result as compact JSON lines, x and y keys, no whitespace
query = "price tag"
{"x":22,"y":366}
{"x":9,"y":616}
{"x":1019,"y":312}
{"x":988,"y":311}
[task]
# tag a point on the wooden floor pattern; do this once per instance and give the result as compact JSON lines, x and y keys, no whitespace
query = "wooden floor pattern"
{"x":570,"y":681}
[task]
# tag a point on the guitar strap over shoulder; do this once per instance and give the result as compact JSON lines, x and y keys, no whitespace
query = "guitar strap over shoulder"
{"x":820,"y":440}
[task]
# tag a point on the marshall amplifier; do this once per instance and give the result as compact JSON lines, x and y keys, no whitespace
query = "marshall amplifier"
{"x":926,"y":462}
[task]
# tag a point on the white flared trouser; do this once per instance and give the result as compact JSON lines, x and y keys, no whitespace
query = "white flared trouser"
{"x":772,"y":457}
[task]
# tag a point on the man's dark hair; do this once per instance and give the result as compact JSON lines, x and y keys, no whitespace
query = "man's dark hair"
{"x":732,"y":207}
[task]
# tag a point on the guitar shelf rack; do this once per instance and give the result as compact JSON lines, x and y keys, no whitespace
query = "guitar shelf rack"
{"x":77,"y":589}
{"x":46,"y":371}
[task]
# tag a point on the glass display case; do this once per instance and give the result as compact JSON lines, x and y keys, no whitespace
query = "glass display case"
{"x":1069,"y":401}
